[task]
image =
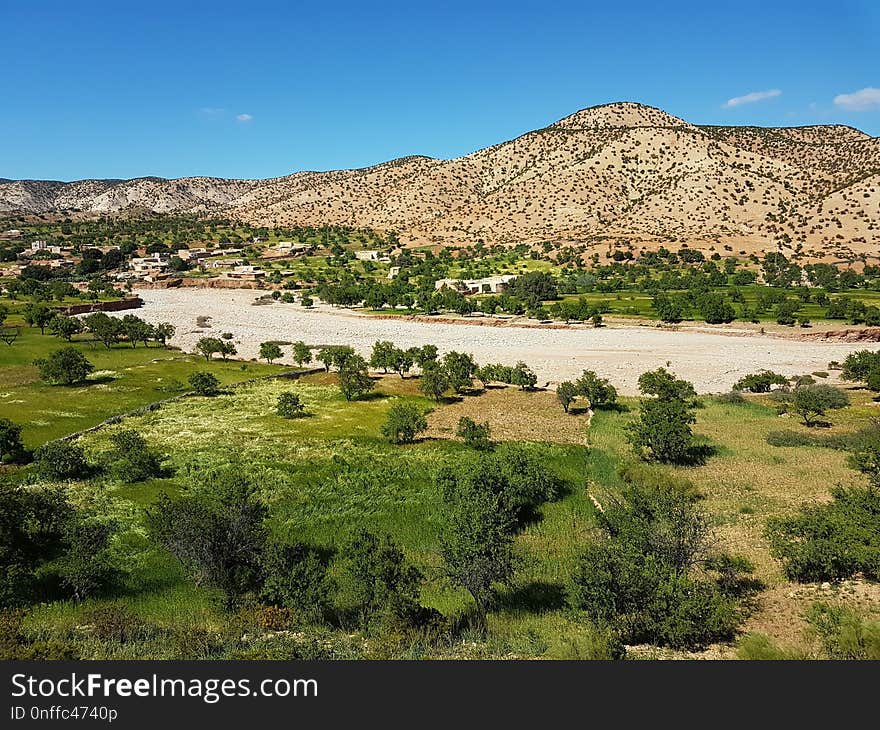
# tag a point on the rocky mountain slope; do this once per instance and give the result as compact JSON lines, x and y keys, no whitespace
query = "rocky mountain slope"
{"x":616,"y":172}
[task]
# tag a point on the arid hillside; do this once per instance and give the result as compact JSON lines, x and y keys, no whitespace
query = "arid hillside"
{"x":618,"y":172}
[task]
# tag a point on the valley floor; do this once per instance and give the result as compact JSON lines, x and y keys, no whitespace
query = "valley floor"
{"x":713,"y":362}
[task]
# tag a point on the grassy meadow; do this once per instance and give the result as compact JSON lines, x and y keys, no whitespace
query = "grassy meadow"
{"x":124,"y":378}
{"x":331,"y":471}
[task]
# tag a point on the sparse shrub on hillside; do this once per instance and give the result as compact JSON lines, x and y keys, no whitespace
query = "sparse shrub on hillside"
{"x":290,"y":406}
{"x":403,"y":423}
{"x":204,"y":383}
{"x":653,"y":576}
{"x":760,"y":382}
{"x":830,"y":541}
{"x":61,"y":460}
{"x":475,"y":435}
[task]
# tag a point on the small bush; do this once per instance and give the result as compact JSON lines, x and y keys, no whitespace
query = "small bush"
{"x":117,"y":623}
{"x":760,"y":382}
{"x":843,"y":633}
{"x":734,"y":398}
{"x":290,"y":406}
{"x":131,"y":459}
{"x":830,"y":541}
{"x":475,"y":435}
{"x":403,"y":423}
{"x":204,"y":383}
{"x":760,"y":647}
{"x":61,"y":460}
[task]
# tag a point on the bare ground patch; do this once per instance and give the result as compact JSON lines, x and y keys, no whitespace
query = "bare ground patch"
{"x":513,"y":415}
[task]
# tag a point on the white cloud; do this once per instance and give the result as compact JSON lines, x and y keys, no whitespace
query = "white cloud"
{"x":859,"y":101}
{"x":752,"y":97}
{"x":244,"y":117}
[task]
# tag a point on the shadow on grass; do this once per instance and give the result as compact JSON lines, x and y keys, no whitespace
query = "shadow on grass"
{"x":536,"y":597}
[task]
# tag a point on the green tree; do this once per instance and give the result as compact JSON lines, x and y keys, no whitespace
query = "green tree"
{"x":434,"y":382}
{"x":295,"y":576}
{"x":61,"y":460}
{"x":566,"y":393}
{"x":476,"y":542}
{"x":811,"y":402}
{"x":523,"y":377}
{"x":217,"y":532}
{"x":858,"y":365}
{"x":131,"y":459}
{"x":459,"y":368}
{"x":598,"y":391}
{"x":382,"y":355}
{"x":270,"y":351}
{"x":65,"y":327}
{"x":38,"y":314}
{"x":665,"y":386}
{"x":65,"y":366}
{"x":663,"y":431}
{"x":210,"y":346}
{"x":204,"y":383}
{"x":401,"y":362}
{"x":105,"y":328}
{"x":354,"y":379}
{"x":403,"y":423}
{"x":760,"y":382}
{"x":290,"y":406}
{"x":87,"y":567}
{"x":302,"y":353}
{"x":715,"y":309}
{"x":11,"y":446}
{"x":163,"y":332}
{"x":136,"y":330}
{"x":376,"y":581}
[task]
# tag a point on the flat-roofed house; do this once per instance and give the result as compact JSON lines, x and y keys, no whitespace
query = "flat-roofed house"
{"x":489,"y":285}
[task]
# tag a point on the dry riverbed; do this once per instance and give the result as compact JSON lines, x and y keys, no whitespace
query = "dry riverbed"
{"x":713,"y":362}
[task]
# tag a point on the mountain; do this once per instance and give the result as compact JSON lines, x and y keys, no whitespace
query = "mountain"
{"x":615,"y":172}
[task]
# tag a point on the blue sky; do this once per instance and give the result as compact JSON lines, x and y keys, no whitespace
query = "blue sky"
{"x":259,"y":89}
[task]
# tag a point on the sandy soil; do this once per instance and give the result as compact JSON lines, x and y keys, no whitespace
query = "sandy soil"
{"x":712,"y":362}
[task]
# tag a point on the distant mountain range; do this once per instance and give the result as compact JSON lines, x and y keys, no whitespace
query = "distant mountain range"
{"x":610,"y":173}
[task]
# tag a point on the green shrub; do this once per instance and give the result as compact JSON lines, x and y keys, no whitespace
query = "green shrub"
{"x":290,"y":406}
{"x":295,"y":577}
{"x":403,"y":423}
{"x":475,"y":435}
{"x":791,"y":438}
{"x":844,"y":634}
{"x":61,"y":460}
{"x":652,"y":577}
{"x":760,"y":382}
{"x":733,"y":398}
{"x":760,"y":647}
{"x":830,"y":541}
{"x":131,"y":459}
{"x":66,"y":366}
{"x":204,"y":383}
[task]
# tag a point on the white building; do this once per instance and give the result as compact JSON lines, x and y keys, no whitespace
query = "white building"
{"x":366,"y":255}
{"x":489,"y":285}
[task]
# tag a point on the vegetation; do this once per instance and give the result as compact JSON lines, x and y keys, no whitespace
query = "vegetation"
{"x":290,"y":406}
{"x":405,"y":421}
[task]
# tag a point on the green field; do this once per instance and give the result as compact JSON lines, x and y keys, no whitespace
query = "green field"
{"x":330,"y":472}
{"x":124,"y":378}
